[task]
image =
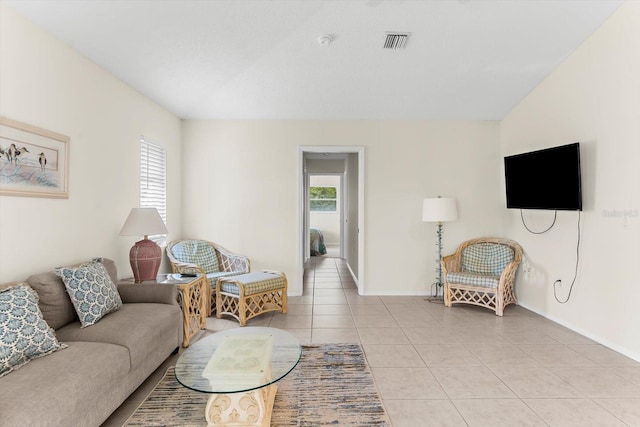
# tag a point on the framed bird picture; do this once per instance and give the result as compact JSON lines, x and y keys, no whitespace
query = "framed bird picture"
{"x":34,"y":162}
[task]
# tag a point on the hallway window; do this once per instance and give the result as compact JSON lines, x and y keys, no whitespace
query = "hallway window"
{"x":323,"y":199}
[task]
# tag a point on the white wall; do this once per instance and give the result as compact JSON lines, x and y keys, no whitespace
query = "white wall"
{"x":47,"y":84}
{"x":593,"y":98}
{"x":242,"y":179}
{"x":325,"y":166}
{"x":328,"y":222}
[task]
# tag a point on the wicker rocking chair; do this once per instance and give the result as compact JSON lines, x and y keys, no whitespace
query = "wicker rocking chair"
{"x":208,"y":258}
{"x":482,"y":272}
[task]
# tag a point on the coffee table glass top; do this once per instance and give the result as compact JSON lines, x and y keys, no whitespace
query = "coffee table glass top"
{"x":238,"y":359}
{"x":176,"y":278}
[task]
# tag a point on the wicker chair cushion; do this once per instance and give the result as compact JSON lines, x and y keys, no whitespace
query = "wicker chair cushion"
{"x":486,"y":258}
{"x":212,"y":278}
{"x":473,"y":279}
{"x":255,"y":283}
{"x":196,"y":252}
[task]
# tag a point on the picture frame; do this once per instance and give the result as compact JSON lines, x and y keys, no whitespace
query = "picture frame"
{"x":34,"y":162}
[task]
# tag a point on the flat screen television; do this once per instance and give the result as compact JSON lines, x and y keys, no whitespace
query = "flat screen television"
{"x":544,"y":179}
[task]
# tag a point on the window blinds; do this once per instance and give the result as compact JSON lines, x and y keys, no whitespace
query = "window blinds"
{"x":153,"y":177}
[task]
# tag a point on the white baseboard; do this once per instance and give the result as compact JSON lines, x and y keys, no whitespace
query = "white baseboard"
{"x":353,"y":276}
{"x":613,"y":346}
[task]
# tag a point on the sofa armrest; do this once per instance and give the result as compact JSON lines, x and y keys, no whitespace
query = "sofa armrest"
{"x":148,"y":293}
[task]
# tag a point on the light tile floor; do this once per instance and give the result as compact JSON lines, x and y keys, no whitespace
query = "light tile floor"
{"x":460,"y":366}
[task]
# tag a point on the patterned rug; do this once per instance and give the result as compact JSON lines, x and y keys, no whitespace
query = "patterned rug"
{"x":332,"y":385}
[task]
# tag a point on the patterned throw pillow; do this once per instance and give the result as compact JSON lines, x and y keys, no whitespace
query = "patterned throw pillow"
{"x":24,"y":335}
{"x":91,"y":290}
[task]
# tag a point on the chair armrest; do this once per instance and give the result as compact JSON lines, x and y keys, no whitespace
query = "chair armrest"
{"x":185,"y":267}
{"x":508,"y":276}
{"x":233,"y":262}
{"x":450,"y":263}
{"x":148,"y":293}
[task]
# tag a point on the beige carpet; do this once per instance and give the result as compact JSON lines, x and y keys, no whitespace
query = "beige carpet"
{"x":332,"y":385}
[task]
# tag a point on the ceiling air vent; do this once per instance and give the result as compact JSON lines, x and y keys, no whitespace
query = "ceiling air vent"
{"x":396,"y":40}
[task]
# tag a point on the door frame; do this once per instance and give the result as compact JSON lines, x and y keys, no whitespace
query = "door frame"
{"x":302,"y":209}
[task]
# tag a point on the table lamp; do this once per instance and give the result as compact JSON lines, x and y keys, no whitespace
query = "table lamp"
{"x":145,"y":255}
{"x":439,"y":209}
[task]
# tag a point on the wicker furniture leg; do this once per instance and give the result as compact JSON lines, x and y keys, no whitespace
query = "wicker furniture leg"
{"x":193,"y":298}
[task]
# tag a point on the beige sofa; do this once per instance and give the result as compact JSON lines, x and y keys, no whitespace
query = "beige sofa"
{"x":81,"y":385}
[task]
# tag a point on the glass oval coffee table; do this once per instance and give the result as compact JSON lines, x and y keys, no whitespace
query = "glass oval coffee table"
{"x":239,"y":368}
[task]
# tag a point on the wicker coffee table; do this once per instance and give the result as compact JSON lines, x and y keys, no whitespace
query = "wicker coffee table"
{"x":239,"y":368}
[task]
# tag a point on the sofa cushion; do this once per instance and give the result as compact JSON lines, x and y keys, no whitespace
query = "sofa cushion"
{"x":91,"y":290}
{"x":24,"y":335}
{"x":55,"y":304}
{"x":129,"y":327}
{"x":486,"y":258}
{"x":75,"y":387}
{"x":57,"y":308}
{"x":196,"y":252}
{"x":473,"y":279}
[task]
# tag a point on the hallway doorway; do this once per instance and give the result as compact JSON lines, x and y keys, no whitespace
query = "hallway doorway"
{"x":335,"y":206}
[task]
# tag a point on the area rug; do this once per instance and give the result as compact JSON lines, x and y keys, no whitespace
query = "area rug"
{"x":332,"y":385}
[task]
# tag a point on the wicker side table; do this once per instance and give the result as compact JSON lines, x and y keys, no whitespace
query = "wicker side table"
{"x":193,"y":299}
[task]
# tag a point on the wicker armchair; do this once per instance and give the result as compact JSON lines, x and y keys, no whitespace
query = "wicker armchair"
{"x":482,"y":272}
{"x":200,"y":256}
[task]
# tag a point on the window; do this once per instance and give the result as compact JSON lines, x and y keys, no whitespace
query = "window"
{"x":153,"y":181}
{"x":323,"y":199}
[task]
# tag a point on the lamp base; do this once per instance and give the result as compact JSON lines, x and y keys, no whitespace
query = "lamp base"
{"x":438,"y":295}
{"x":145,"y":257}
{"x":438,"y":299}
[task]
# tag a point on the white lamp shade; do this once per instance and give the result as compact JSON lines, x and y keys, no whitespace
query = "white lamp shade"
{"x":143,"y":222}
{"x":439,"y":209}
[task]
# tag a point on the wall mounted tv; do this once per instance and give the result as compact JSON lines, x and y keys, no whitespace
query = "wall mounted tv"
{"x":544,"y":179}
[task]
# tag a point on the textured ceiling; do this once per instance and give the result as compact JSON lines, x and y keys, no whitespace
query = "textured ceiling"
{"x":465,"y":59}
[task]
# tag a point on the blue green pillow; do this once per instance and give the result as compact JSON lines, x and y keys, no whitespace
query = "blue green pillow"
{"x":24,"y":335}
{"x":91,"y":290}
